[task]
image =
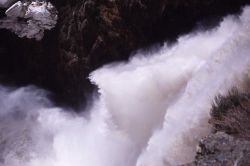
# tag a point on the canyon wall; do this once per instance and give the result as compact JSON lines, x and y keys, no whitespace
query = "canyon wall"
{"x":91,"y":33}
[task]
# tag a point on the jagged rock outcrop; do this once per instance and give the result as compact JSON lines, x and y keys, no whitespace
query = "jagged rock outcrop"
{"x":229,"y":144}
{"x":91,"y":33}
{"x":222,"y":149}
{"x":30,"y":19}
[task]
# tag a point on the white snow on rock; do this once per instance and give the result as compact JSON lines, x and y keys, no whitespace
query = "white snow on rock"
{"x":30,"y":19}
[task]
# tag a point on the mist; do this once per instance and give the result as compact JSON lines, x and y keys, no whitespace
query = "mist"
{"x":150,"y":111}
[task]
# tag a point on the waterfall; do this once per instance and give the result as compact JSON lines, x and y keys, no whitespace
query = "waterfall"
{"x":150,"y":111}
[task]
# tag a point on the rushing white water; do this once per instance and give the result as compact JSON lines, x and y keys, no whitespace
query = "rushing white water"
{"x":152,"y":111}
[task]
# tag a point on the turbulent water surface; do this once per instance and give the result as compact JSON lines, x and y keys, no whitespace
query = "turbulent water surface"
{"x":151,"y":111}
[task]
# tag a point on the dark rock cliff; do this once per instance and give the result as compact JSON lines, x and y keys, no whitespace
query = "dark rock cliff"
{"x":91,"y":33}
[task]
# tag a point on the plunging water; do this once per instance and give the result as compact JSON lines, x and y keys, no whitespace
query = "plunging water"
{"x":151,"y":111}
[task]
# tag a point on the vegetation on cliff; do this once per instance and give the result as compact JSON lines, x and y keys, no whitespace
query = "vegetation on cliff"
{"x":229,"y":144}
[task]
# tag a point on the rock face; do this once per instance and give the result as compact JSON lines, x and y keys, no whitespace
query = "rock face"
{"x":91,"y":33}
{"x":94,"y":32}
{"x":229,"y":145}
{"x":30,"y":19}
{"x":222,"y":149}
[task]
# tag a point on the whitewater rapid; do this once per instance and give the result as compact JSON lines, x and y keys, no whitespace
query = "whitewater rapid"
{"x":151,"y":111}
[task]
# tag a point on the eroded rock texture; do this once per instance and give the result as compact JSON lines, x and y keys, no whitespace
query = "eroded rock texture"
{"x":30,"y":19}
{"x":222,"y":149}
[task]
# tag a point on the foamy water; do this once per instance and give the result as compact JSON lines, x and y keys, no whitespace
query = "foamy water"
{"x":151,"y":111}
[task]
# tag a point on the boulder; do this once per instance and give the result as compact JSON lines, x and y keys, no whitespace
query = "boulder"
{"x":30,"y":19}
